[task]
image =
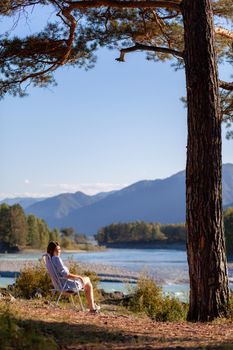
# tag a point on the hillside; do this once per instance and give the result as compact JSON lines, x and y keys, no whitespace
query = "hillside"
{"x":24,"y":202}
{"x":150,"y":200}
{"x":158,"y":200}
{"x":60,"y":206}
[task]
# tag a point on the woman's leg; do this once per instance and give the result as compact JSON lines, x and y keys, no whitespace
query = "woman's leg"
{"x":88,"y":289}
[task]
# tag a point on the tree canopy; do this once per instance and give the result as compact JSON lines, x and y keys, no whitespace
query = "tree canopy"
{"x":17,"y":229}
{"x":76,"y":30}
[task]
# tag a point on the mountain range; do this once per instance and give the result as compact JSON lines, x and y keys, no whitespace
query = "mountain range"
{"x":161,"y":200}
{"x":23,"y":201}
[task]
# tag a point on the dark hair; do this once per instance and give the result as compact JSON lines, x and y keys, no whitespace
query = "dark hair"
{"x":51,"y":247}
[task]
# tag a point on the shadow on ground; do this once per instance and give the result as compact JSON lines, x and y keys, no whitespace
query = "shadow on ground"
{"x":88,"y":336}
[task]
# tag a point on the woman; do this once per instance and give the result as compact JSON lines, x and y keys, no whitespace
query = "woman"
{"x":54,"y":250}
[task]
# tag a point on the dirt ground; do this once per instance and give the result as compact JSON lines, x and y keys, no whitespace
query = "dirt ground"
{"x":114,"y":328}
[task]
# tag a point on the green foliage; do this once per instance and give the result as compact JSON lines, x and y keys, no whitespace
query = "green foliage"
{"x":73,"y":240}
{"x":230,"y":307}
{"x":17,"y":335}
{"x":43,"y":233}
{"x":18,"y":229}
{"x":79,"y":32}
{"x":13,"y":225}
{"x":148,"y":298}
{"x":174,"y":232}
{"x":140,"y":231}
{"x":32,"y":278}
{"x":33,"y":238}
{"x":68,"y":232}
{"x":54,"y":235}
{"x":5,"y":226}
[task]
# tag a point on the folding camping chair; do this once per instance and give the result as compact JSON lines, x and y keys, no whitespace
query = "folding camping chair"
{"x":60,"y":287}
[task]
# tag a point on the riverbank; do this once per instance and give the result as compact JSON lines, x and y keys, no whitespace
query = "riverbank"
{"x":83,"y":247}
{"x":147,"y":245}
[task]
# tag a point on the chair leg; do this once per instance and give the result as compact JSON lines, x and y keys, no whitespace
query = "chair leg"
{"x":53,"y":294}
{"x":59,"y":297}
{"x":80,"y":302}
{"x":73,"y":303}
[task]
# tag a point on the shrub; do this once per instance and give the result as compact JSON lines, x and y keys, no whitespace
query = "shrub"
{"x":33,"y":278}
{"x":148,"y":298}
{"x":172,"y":310}
{"x":230,"y":307}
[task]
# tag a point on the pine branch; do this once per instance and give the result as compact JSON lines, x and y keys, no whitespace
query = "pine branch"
{"x":53,"y":65}
{"x":224,"y":32}
{"x":5,"y":84}
{"x":7,"y":8}
{"x":64,"y":53}
{"x":225,"y":85}
{"x":141,"y":47}
{"x":173,"y":5}
{"x":72,"y":25}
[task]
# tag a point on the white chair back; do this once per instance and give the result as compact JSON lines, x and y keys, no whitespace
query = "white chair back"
{"x":58,"y":286}
{"x":52,"y":272}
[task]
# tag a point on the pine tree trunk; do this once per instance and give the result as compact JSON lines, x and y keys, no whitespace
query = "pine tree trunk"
{"x":209,"y":292}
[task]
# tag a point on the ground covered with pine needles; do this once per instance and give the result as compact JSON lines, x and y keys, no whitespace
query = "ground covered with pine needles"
{"x":34,"y":324}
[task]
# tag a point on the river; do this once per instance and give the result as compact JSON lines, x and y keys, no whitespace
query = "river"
{"x":168,"y":266}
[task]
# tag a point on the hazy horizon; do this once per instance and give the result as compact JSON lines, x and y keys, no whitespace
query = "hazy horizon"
{"x":114,"y":188}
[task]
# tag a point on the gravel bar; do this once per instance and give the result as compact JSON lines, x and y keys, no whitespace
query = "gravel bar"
{"x":105,"y":272}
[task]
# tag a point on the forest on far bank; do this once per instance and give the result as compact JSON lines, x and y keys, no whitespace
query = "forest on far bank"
{"x":141,"y":233}
{"x":18,"y":230}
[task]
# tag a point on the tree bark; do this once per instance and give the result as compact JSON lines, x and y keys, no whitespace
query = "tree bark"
{"x":209,"y":291}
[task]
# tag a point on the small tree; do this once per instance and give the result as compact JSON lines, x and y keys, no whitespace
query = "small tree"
{"x":54,"y":235}
{"x":5,"y":225}
{"x":43,"y":233}
{"x":68,"y":232}
{"x":33,"y":237}
{"x":18,"y":225}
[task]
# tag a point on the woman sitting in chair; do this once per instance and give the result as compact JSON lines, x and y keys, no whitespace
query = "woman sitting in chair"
{"x":80,"y":282}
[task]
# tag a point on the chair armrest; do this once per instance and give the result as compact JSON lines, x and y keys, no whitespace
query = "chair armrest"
{"x":70,"y":279}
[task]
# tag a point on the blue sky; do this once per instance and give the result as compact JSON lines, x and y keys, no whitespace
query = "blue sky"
{"x":98,"y":130}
